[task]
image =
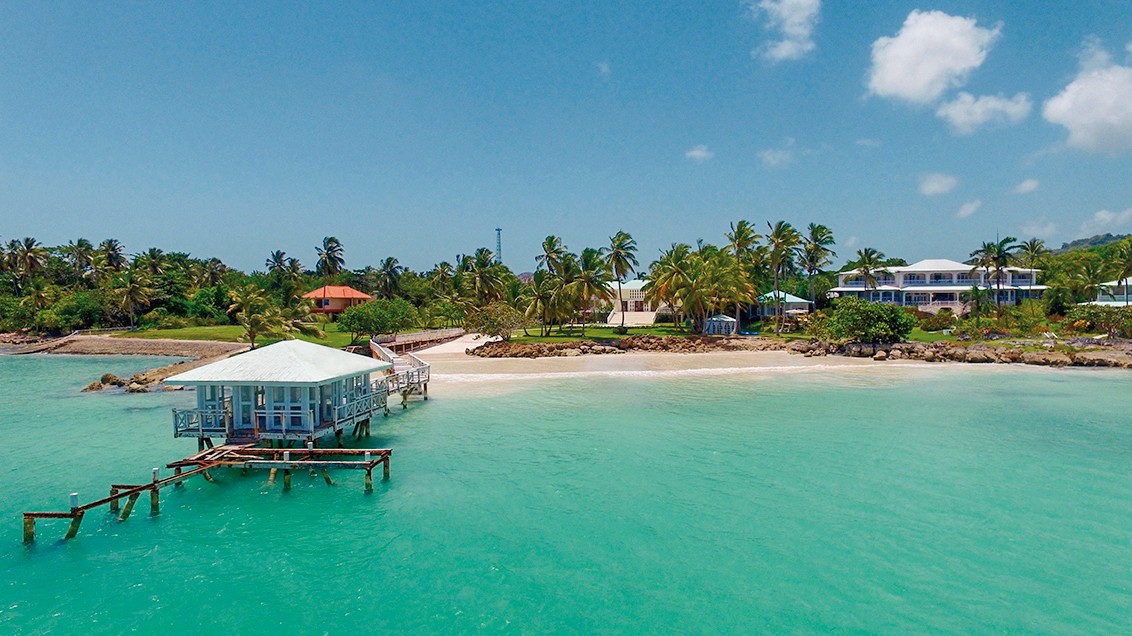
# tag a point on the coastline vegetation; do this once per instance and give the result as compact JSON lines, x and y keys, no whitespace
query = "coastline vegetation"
{"x":54,"y":290}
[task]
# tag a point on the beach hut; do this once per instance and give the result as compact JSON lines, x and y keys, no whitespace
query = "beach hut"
{"x":292,"y":390}
{"x":719,"y":325}
{"x":335,"y":299}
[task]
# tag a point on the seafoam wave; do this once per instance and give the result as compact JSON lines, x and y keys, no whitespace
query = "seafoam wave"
{"x":679,"y":373}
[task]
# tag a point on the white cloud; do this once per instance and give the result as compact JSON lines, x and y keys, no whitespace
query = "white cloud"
{"x":1039,"y":229}
{"x":794,"y":20}
{"x":969,"y":208}
{"x":1096,"y":107}
{"x":776,"y":157}
{"x":935,"y":183}
{"x":868,"y":143}
{"x":851,"y":242}
{"x":699,"y":153}
{"x":966,"y":113}
{"x":1027,"y":186}
{"x":1106,"y":221}
{"x":931,"y":53}
{"x":603,"y":68}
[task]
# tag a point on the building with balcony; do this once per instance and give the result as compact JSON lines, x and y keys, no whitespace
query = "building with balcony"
{"x":1114,"y":293}
{"x":291,"y":390}
{"x":934,"y":284}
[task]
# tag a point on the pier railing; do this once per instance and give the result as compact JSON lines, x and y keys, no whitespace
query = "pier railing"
{"x":200,"y":423}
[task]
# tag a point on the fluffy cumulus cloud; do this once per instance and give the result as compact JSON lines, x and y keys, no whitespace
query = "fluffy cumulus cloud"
{"x":969,"y":208}
{"x":1096,"y":107}
{"x":778,"y":157}
{"x":794,"y":21}
{"x":1027,"y":186}
{"x":699,"y":153}
{"x":935,"y":183}
{"x":1106,"y":221}
{"x":967,"y":113}
{"x":603,"y":68}
{"x":932,"y":52}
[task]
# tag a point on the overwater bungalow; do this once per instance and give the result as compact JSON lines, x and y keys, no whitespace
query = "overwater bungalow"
{"x":292,"y":390}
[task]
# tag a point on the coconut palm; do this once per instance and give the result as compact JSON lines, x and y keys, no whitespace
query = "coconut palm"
{"x":667,"y":275}
{"x":154,"y":261}
{"x":742,"y":240}
{"x":870,"y":262}
{"x":27,"y":257}
{"x":816,"y":254}
{"x":783,"y":241}
{"x":389,"y":277}
{"x":540,"y":299}
{"x":592,"y":282}
{"x":113,"y":255}
{"x":996,"y":257}
{"x":483,"y":280}
{"x":553,"y":254}
{"x":255,"y":313}
{"x":331,"y":261}
{"x":132,"y":290}
{"x":276,"y":262}
{"x":1123,"y":266}
{"x":80,"y":255}
{"x":621,"y":258}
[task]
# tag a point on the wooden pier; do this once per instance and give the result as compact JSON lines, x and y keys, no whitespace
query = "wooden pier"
{"x":244,"y":456}
{"x":408,"y":376}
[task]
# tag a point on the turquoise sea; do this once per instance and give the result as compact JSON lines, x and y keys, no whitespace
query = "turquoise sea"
{"x":890,"y":500}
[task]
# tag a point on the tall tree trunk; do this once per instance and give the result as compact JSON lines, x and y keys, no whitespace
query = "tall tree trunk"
{"x":621,"y":302}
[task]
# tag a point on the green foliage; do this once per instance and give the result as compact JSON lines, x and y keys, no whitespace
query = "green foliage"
{"x":495,"y":320}
{"x":938,"y":322}
{"x":377,"y":317}
{"x":861,"y":321}
{"x":1114,"y":321}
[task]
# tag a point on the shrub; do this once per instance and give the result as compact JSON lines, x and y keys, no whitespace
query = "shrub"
{"x":943,"y":320}
{"x":495,"y":320}
{"x":859,"y":320}
{"x":621,"y":331}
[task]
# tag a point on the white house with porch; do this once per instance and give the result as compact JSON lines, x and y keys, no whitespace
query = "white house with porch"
{"x":1114,"y":293}
{"x":934,"y":284}
{"x":291,"y":390}
{"x":632,"y":304}
{"x":790,"y":304}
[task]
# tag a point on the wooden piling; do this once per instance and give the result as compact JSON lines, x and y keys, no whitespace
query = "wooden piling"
{"x":129,"y":507}
{"x":271,"y":476}
{"x":154,"y":502}
{"x":286,"y":479}
{"x":29,"y":529}
{"x":177,"y":473}
{"x":385,"y":469}
{"x":114,"y":500}
{"x":338,"y":436}
{"x":73,"y":529}
{"x":369,"y":483}
{"x":207,"y":476}
{"x":424,"y":387}
{"x":326,"y":476}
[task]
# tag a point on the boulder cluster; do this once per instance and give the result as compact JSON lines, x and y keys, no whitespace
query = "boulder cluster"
{"x":1046,"y":354}
{"x":138,"y":383}
{"x":1041,"y":354}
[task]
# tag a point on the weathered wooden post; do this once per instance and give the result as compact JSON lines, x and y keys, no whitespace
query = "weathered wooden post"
{"x":369,"y":480}
{"x":286,"y":479}
{"x":76,"y":518}
{"x":129,"y":507}
{"x":154,"y":502}
{"x":113,"y":502}
{"x":178,"y":483}
{"x":385,"y":469}
{"x":424,"y":387}
{"x":271,"y":476}
{"x":326,"y":476}
{"x":29,"y":528}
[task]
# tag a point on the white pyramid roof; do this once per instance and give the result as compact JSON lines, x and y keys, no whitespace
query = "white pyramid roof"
{"x":290,"y":362}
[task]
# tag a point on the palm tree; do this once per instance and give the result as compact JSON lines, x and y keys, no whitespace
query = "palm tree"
{"x":975,"y":298}
{"x":1123,"y":263}
{"x":330,"y":259}
{"x":1030,"y":254}
{"x":484,"y":277}
{"x":389,"y":277}
{"x":996,"y":257}
{"x":276,"y":262}
{"x":869,"y":263}
{"x":553,"y":254}
{"x":540,"y":299}
{"x":816,"y":254}
{"x":621,"y":259}
{"x":783,"y":241}
{"x":154,"y":260}
{"x":742,"y":240}
{"x":254,"y":312}
{"x":132,"y":290}
{"x":592,"y":282}
{"x":113,"y":254}
{"x":30,"y":257}
{"x":667,"y":275}
{"x":80,"y":254}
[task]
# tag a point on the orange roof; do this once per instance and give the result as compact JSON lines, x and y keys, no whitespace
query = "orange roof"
{"x":337,"y":291}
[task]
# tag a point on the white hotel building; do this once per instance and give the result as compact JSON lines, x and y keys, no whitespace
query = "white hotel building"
{"x":933,"y":284}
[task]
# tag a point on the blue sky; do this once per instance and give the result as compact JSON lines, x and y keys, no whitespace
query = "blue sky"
{"x":414,"y":129}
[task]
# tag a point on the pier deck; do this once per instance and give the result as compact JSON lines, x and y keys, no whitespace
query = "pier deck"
{"x":244,"y":456}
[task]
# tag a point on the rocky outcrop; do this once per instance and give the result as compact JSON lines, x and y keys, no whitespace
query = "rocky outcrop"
{"x":500,"y":349}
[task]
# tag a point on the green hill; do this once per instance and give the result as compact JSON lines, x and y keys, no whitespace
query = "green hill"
{"x":1093,"y":241}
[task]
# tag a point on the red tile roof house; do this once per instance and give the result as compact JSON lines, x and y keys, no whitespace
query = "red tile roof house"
{"x":334,"y":299}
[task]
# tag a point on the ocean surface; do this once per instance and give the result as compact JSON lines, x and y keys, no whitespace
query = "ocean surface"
{"x":891,"y":500}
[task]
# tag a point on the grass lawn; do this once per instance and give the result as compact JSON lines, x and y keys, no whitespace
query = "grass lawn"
{"x":597,"y":333}
{"x":232,"y":333}
{"x":919,"y":335}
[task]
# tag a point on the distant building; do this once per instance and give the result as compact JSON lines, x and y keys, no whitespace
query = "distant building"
{"x":334,"y":299}
{"x":934,"y":284}
{"x":1114,"y":293}
{"x":719,"y":325}
{"x":631,"y":305}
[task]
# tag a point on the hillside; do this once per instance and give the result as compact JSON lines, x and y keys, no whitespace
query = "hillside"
{"x":1093,"y":241}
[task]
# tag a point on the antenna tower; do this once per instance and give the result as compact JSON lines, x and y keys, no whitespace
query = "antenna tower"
{"x":498,"y":245}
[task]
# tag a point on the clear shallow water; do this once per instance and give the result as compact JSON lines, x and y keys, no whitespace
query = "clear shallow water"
{"x":952,"y":499}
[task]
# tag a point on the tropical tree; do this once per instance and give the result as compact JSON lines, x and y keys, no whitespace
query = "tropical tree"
{"x":540,"y":299}
{"x":553,"y":254}
{"x":389,"y":278}
{"x":29,"y":258}
{"x":276,"y":262}
{"x":816,"y":254}
{"x":80,"y":255}
{"x":132,"y":290}
{"x":331,"y":261}
{"x":869,"y":263}
{"x":1122,"y":262}
{"x":1031,"y":254}
{"x":255,"y":313}
{"x":995,"y":257}
{"x":621,"y":258}
{"x":976,"y":298}
{"x":483,"y":281}
{"x":667,"y":276}
{"x":742,"y":240}
{"x":113,"y":255}
{"x":783,"y":241}
{"x":592,"y":282}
